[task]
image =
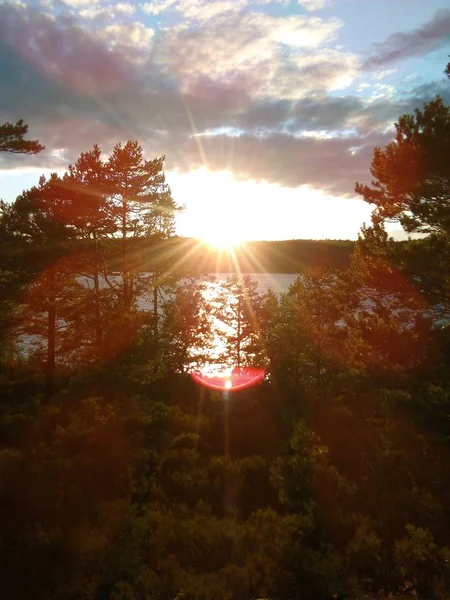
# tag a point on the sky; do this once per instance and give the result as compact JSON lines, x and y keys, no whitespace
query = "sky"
{"x":267,"y":111}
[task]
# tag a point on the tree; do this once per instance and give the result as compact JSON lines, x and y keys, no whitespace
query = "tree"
{"x":91,"y":213}
{"x":52,"y":319}
{"x":30,"y":223}
{"x":143,"y":207}
{"x":40,"y":215}
{"x":305,"y":335}
{"x":186,"y":332}
{"x":11,"y":139}
{"x":59,"y":312}
{"x":411,"y":185}
{"x":385,"y":322}
{"x":239,"y":307}
{"x":411,"y":176}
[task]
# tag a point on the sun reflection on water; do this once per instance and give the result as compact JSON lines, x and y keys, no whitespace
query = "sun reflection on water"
{"x":229,"y":359}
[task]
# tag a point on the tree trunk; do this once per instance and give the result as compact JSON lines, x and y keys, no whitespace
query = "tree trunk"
{"x":125,"y":265}
{"x":239,"y":334}
{"x":98,"y":323}
{"x":318,"y":370}
{"x":155,"y":305}
{"x":49,"y":383}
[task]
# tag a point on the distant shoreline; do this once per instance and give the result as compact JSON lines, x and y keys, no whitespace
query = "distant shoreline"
{"x":188,"y":256}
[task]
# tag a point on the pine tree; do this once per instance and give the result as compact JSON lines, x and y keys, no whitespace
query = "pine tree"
{"x":91,"y":213}
{"x":239,"y":307}
{"x":143,"y":207}
{"x":411,"y":176}
{"x":50,"y":320}
{"x":12,"y":139}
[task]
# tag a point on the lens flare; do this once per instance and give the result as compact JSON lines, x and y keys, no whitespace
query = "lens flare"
{"x":239,"y":379}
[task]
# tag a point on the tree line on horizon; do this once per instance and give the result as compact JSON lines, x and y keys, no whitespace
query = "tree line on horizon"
{"x":122,"y":479}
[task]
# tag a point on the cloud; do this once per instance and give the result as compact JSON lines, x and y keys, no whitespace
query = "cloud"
{"x":200,"y":10}
{"x":157,"y":7}
{"x":331,"y":165}
{"x":399,"y":46}
{"x":130,"y":41}
{"x":108,"y":11}
{"x":309,"y":72}
{"x":93,"y":12}
{"x":203,"y":10}
{"x":61,"y":51}
{"x":125,"y":8}
{"x":247,"y":92}
{"x":262,"y":50}
{"x":80,"y":3}
{"x":382,"y":74}
{"x":314,"y":4}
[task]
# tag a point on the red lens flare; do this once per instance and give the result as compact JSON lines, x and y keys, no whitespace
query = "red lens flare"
{"x":238,"y":379}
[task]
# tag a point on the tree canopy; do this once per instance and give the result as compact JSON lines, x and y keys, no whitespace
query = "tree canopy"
{"x":411,"y":175}
{"x":12,"y":139}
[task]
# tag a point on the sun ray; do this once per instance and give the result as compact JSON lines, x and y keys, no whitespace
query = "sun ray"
{"x":260,"y":267}
{"x":194,"y":133}
{"x":247,"y":299}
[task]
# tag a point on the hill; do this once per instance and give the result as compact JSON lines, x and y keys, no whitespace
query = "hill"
{"x":287,"y":256}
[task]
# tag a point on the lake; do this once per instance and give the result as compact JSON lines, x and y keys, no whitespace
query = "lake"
{"x":277,"y":282}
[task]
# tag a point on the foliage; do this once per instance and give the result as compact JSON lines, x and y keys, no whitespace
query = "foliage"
{"x":12,"y":139}
{"x":238,"y":307}
{"x":411,"y":175}
{"x":121,"y":478}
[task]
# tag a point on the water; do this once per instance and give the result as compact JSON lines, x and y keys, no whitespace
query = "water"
{"x":220,"y":331}
{"x":231,"y":316}
{"x":277,"y":282}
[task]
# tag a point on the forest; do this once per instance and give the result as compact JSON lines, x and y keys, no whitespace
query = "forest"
{"x":123,"y":478}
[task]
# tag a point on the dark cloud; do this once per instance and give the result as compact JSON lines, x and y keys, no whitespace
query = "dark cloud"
{"x":401,"y":45}
{"x":424,"y":92}
{"x":332,"y":165}
{"x":354,"y":112}
{"x":59,"y":50}
{"x":320,"y":112}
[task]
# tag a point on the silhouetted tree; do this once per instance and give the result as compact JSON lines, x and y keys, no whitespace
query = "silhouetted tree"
{"x":143,"y":207}
{"x":40,"y":215}
{"x":12,"y":139}
{"x":411,"y":176}
{"x":305,"y":340}
{"x":239,"y":307}
{"x":51,"y":320}
{"x":187,"y":335}
{"x":91,"y":213}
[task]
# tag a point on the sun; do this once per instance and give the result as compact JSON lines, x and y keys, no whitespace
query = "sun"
{"x":222,"y":238}
{"x":218,"y":212}
{"x":225,"y":211}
